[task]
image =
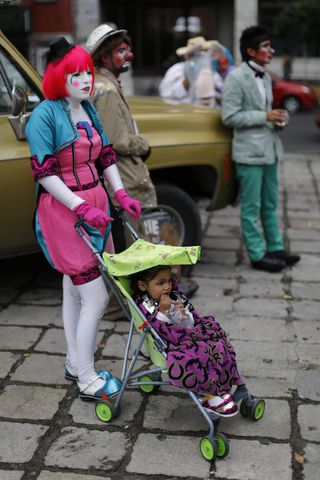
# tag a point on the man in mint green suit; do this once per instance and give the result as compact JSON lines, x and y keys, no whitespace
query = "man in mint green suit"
{"x":256,"y":150}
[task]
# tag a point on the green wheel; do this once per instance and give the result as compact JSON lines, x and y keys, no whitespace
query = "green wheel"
{"x":257,"y":410}
{"x":148,"y":378}
{"x":208,"y":449}
{"x":106,"y":411}
{"x":223,"y":445}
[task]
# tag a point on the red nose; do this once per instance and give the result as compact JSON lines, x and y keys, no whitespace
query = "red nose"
{"x":129,"y":56}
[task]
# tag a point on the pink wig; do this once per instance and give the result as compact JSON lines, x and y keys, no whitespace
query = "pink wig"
{"x":54,"y":80}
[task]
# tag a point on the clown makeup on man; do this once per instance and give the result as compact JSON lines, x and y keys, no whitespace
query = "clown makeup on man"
{"x":119,"y":60}
{"x":263,"y":53}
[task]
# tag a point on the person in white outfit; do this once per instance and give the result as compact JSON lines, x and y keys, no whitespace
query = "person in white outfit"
{"x":178,"y":83}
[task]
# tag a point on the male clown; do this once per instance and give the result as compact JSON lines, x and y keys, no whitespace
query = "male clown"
{"x":111,"y":52}
{"x":256,"y":150}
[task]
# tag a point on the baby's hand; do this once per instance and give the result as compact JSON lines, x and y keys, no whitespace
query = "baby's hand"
{"x":180,"y":307}
{"x":165,"y":302}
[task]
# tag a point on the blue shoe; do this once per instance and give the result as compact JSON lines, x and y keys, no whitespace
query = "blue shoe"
{"x":114,"y":384}
{"x":105,"y":374}
{"x":74,"y":378}
{"x":111,"y":387}
{"x":69,"y":376}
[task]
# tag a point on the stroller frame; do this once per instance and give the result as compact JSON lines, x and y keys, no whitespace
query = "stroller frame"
{"x":215,"y":444}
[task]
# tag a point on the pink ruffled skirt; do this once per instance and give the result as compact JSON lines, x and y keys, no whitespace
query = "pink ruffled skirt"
{"x":67,"y":251}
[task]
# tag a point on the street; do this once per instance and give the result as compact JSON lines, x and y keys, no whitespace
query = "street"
{"x":302,"y":133}
{"x":47,"y":433}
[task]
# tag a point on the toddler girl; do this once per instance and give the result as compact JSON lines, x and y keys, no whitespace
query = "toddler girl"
{"x":200,"y":355}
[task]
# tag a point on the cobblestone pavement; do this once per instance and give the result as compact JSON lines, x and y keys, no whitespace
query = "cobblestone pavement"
{"x":47,"y":433}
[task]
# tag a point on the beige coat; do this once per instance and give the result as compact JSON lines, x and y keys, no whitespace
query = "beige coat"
{"x":121,"y":131}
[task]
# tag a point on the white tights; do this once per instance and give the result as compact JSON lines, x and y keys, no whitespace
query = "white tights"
{"x":83,"y":307}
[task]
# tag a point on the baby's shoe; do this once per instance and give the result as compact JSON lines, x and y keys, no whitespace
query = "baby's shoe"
{"x":100,"y":389}
{"x":222,"y":406}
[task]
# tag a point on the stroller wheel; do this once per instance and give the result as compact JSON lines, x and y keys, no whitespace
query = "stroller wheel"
{"x":244,"y":408}
{"x":223,"y":445}
{"x":254,"y":409}
{"x":106,"y":411}
{"x":149,"y":388}
{"x":208,"y":448}
{"x":257,"y":409}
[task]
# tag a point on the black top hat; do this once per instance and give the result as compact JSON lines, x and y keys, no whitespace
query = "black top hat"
{"x":58,"y":48}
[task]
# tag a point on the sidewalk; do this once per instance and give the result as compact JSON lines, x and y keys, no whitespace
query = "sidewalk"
{"x":47,"y":433}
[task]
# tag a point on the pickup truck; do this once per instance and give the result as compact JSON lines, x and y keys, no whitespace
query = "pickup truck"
{"x":190,"y":158}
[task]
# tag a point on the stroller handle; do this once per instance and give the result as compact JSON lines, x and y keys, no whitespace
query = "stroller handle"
{"x":120,"y":213}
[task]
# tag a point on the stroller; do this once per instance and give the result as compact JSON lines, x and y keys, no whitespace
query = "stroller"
{"x":116,"y":269}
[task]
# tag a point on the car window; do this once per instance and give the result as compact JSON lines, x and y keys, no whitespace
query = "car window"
{"x":14,"y":77}
{"x":5,"y":100}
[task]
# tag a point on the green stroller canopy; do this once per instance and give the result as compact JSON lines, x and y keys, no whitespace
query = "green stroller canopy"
{"x":142,"y":255}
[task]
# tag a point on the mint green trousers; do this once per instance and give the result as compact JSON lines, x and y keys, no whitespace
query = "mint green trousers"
{"x":259,"y":201}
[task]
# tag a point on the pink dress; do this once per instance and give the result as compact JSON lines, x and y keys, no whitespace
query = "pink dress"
{"x":64,"y":248}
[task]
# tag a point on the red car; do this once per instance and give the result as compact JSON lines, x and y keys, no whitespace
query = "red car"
{"x":293,"y":96}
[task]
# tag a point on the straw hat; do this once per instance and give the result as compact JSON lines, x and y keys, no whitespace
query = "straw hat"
{"x":194,"y":45}
{"x":99,"y":35}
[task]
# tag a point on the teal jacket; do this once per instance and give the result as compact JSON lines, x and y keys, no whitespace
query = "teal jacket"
{"x":255,"y":141}
{"x":51,"y":128}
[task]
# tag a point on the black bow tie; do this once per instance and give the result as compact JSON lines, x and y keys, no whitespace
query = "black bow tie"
{"x":257,"y":73}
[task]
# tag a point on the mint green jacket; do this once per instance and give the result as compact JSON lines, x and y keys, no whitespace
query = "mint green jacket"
{"x":255,"y":141}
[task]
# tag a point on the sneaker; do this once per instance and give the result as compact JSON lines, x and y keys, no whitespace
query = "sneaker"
{"x":105,"y":375}
{"x":68,"y":375}
{"x":94,"y":391}
{"x":225,"y":408}
{"x":114,"y":383}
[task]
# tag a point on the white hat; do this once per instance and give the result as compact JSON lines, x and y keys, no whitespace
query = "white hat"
{"x":99,"y":35}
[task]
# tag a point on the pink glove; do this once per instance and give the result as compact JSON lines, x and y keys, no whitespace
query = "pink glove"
{"x":128,"y":204}
{"x":92,"y":215}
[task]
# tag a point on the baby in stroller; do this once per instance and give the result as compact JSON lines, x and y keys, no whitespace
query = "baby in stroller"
{"x":200,"y":356}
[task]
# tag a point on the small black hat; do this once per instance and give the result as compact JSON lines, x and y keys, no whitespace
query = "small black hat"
{"x":58,"y":48}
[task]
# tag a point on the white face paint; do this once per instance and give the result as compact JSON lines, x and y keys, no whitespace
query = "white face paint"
{"x":79,"y":85}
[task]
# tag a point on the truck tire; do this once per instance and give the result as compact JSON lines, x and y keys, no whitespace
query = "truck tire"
{"x":179,"y":205}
